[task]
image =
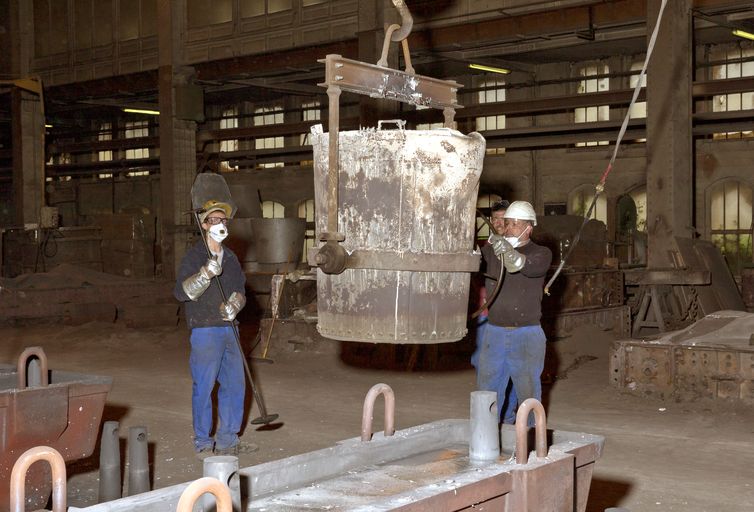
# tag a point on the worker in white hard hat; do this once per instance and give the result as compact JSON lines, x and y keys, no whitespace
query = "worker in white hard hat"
{"x":510,"y":358}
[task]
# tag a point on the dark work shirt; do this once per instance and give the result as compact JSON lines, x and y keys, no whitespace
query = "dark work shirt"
{"x":205,"y":311}
{"x":519,"y":302}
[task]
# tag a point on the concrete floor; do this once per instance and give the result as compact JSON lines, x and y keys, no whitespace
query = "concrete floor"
{"x":662,"y":456}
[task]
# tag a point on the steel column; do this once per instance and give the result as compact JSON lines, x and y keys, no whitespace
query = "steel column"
{"x":669,"y":134}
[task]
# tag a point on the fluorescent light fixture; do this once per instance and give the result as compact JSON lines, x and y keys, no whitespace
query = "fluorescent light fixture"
{"x":142,"y":111}
{"x":745,"y":35}
{"x":491,"y":69}
{"x":48,"y":126}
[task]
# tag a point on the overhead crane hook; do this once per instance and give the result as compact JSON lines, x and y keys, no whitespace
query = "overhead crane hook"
{"x":399,"y":33}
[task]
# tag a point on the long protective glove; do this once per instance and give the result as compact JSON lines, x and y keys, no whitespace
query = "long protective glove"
{"x":230,"y":309}
{"x":499,"y":245}
{"x":194,"y":286}
{"x":513,"y":261}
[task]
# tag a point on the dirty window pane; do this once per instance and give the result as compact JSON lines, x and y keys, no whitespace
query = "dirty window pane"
{"x":580,"y":199}
{"x":731,"y":205}
{"x":82,"y":19}
{"x":745,"y":248}
{"x":128,"y":18}
{"x":103,"y":22}
{"x":278,"y":5}
{"x":745,"y":207}
{"x":640,"y":200}
{"x":148,"y":18}
{"x":251,"y":8}
{"x":59,"y":26}
{"x":716,"y":209}
{"x":272,"y":210}
{"x":306,"y":211}
{"x":41,"y":27}
{"x":202,"y":13}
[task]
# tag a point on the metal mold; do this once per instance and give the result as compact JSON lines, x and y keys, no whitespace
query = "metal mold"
{"x":421,"y":468}
{"x":64,"y":415}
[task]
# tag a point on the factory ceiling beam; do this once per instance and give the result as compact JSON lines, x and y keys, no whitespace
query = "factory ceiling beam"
{"x":282,"y":62}
{"x":298,"y":63}
{"x":541,"y":25}
{"x":269,"y":130}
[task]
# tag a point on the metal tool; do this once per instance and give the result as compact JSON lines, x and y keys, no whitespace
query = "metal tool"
{"x":264,"y":418}
{"x":275,"y":307}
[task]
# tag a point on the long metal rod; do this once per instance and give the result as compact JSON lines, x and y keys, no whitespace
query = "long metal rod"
{"x":264,"y":417}
{"x":333,"y":94}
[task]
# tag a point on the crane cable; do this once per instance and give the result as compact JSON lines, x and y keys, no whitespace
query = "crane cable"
{"x":600,"y":187}
{"x":492,"y":296}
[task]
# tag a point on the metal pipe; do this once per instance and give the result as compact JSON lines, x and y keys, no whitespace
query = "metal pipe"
{"x":225,"y":469}
{"x":44,"y":377}
{"x":138,"y":461}
{"x":540,"y":429}
{"x":21,"y":467}
{"x":484,"y":440}
{"x":109,"y":463}
{"x":201,"y":486}
{"x":367,"y":415}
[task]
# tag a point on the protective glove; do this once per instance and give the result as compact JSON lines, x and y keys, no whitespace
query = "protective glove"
{"x":211,"y":269}
{"x":232,"y":306}
{"x":513,"y":261}
{"x":499,"y":245}
{"x":194,"y":286}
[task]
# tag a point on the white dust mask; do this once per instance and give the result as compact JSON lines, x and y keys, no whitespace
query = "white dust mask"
{"x":515,"y":240}
{"x":218,"y":232}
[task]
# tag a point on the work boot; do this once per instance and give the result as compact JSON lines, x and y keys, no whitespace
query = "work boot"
{"x":237,"y":449}
{"x":203,"y":453}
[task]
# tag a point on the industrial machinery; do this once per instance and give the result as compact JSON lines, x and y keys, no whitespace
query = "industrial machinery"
{"x":712,"y":358}
{"x":587,"y":291}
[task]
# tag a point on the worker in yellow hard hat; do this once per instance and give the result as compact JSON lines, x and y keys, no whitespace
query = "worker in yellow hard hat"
{"x":215,"y":355}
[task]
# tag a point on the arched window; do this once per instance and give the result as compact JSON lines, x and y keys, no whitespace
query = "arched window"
{"x":306,"y":211}
{"x":579,"y":200}
{"x":639,"y":195}
{"x":484,"y":202}
{"x":272,"y":210}
{"x":730,"y":214}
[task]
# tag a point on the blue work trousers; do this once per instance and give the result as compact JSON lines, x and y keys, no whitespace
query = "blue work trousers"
{"x":215,"y":357}
{"x":510,"y":355}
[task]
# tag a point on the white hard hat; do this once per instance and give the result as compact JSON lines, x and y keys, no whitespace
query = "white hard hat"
{"x":521,"y":210}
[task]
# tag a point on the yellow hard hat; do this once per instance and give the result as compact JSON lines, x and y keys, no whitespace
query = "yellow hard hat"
{"x":215,"y":206}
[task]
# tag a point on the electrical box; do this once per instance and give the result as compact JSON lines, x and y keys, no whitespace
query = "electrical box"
{"x":48,"y":217}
